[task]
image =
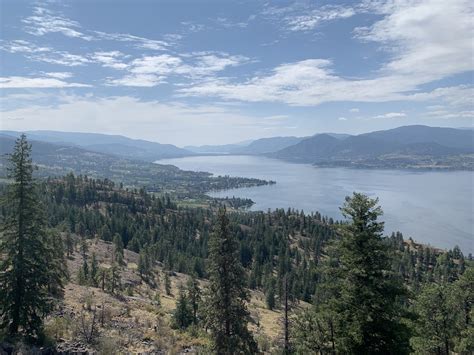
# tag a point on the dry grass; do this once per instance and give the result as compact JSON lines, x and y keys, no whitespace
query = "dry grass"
{"x":136,"y":323}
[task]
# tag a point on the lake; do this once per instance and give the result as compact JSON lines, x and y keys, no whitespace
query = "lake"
{"x":432,"y":207}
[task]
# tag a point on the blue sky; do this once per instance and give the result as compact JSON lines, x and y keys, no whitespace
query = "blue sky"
{"x":211,"y":72}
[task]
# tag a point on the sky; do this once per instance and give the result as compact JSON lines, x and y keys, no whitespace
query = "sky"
{"x":215,"y":72}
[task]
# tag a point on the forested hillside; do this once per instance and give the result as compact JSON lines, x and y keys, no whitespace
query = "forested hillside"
{"x":147,"y":273}
{"x":403,"y":147}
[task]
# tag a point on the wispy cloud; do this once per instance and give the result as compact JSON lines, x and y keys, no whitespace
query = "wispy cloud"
{"x":47,"y":81}
{"x":428,"y":41}
{"x":138,"y":42}
{"x":44,"y":21}
{"x":22,"y":46}
{"x":305,"y":16}
{"x":149,"y":71}
{"x":391,"y":115}
{"x":110,"y":59}
{"x":227,"y":23}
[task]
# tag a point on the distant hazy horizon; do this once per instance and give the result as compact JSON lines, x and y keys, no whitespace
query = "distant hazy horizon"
{"x":242,"y":142}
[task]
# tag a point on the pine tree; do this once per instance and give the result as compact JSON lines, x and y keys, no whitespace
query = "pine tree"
{"x":270,"y":295}
{"x":182,"y":316}
{"x":359,"y":300}
{"x":29,"y":273}
{"x":226,"y":311}
{"x":118,"y":249}
{"x":94,"y":271}
{"x":194,"y":297}
{"x":144,"y":266}
{"x":69,"y":244}
{"x":436,"y":323}
{"x":114,"y":278}
{"x":368,"y":305}
{"x":167,"y":284}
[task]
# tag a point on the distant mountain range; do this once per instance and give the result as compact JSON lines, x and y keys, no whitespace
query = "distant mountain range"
{"x":108,"y":144}
{"x":408,"y":146}
{"x":258,"y":146}
{"x":403,"y":147}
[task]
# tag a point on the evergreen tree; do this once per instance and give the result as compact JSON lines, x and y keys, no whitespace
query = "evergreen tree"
{"x":167,"y":284}
{"x":463,"y":291}
{"x":69,"y":244}
{"x":94,"y":271}
{"x":118,"y":249}
{"x":361,"y":300}
{"x":182,"y":316}
{"x":436,"y":323}
{"x":270,"y":295}
{"x":194,"y":297}
{"x":114,"y":280}
{"x":144,"y":267}
{"x":226,"y":311}
{"x":368,"y":305}
{"x":29,"y":273}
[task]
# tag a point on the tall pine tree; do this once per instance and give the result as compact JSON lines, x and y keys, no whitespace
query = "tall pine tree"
{"x":29,"y":274}
{"x":358,"y":307}
{"x":368,"y":304}
{"x":226,"y":310}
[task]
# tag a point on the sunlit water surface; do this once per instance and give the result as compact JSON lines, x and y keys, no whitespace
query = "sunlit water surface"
{"x":431,"y":207}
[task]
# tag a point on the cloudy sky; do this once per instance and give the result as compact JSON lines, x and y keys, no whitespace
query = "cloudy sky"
{"x":209,"y":72}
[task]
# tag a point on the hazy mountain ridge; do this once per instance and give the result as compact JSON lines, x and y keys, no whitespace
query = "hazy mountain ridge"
{"x":254,"y":147}
{"x":408,"y":146}
{"x":108,"y":144}
{"x":402,"y":147}
{"x":57,"y":160}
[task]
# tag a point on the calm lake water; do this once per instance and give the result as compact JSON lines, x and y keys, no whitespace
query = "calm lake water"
{"x":436,"y":208}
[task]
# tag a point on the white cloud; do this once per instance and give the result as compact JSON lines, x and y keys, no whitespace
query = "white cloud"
{"x":193,"y":27}
{"x":227,"y":23}
{"x":138,"y":80}
{"x":164,"y":122}
{"x":302,"y":16}
{"x":446,"y":114}
{"x":61,"y":58}
{"x":139,"y":42}
{"x":342,"y":119}
{"x":22,"y":46}
{"x":58,"y":75}
{"x":150,"y":71}
{"x":391,"y":115}
{"x":316,"y":17}
{"x":354,"y":110}
{"x":16,"y":82}
{"x":45,"y":21}
{"x":428,"y":41}
{"x":110,"y":59}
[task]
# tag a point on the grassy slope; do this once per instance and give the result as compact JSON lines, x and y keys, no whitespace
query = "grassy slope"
{"x":134,"y":322}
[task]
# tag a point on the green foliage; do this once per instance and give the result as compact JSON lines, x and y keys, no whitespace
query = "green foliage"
{"x":361,"y":296}
{"x":167,"y":284}
{"x":270,"y":295}
{"x":183,"y":314}
{"x":113,"y":281}
{"x":444,"y":317}
{"x":226,"y":313}
{"x":194,"y":297}
{"x":30,"y":271}
{"x":118,"y":249}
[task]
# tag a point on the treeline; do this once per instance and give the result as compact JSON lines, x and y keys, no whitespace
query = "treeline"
{"x":368,"y":293}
